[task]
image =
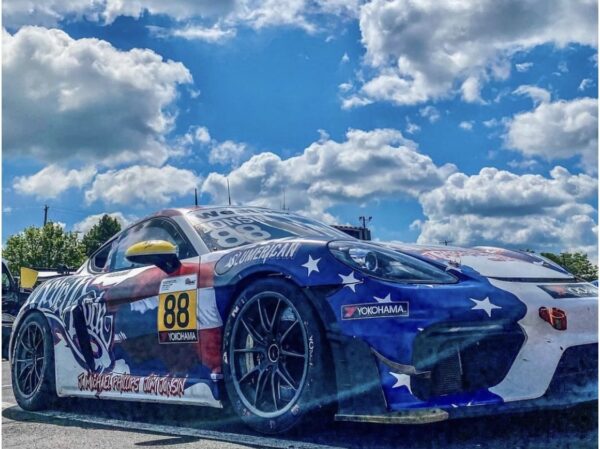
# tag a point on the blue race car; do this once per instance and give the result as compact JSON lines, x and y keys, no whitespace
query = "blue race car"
{"x":286,"y":318}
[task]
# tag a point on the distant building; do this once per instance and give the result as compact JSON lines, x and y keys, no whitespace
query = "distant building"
{"x":355,"y":231}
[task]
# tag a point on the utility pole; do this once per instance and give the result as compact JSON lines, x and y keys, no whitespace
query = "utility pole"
{"x":283,"y":207}
{"x":228,"y":192}
{"x":45,"y":214}
{"x":365,"y":221}
{"x":195,"y":197}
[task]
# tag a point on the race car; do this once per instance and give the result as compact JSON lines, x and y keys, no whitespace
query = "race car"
{"x":285,"y":319}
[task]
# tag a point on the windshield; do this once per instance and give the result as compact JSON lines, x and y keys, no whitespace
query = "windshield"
{"x":224,"y":228}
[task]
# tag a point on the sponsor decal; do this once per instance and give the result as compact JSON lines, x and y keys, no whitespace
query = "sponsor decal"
{"x":370,"y":310}
{"x":69,"y":296}
{"x":165,"y":386}
{"x":559,"y":291}
{"x":177,"y":313}
{"x":260,"y":253}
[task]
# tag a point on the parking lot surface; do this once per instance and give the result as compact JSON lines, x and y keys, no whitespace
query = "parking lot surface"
{"x":109,"y":424}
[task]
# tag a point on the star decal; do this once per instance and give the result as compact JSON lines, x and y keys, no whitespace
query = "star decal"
{"x":402,"y":380}
{"x":388,"y":298}
{"x":350,"y":281}
{"x":312,"y":265}
{"x":485,"y":305}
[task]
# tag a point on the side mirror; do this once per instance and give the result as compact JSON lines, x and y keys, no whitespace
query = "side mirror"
{"x":161,"y":253}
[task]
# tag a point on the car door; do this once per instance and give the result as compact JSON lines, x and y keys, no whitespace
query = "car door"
{"x":136,"y":299}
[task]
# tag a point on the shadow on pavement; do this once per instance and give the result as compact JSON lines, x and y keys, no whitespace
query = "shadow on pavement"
{"x":576,"y":427}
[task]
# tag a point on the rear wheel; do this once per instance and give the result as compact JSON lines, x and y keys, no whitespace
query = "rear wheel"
{"x":275,"y":357}
{"x":32,"y":364}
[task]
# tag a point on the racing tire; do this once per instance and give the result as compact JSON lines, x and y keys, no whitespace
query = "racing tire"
{"x":276,"y":361}
{"x":32,"y":364}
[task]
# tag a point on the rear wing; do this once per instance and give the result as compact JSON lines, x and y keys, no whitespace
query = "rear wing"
{"x":30,"y":277}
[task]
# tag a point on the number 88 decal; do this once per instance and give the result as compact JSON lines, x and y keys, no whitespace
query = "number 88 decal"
{"x":176,"y":311}
{"x":228,"y":236}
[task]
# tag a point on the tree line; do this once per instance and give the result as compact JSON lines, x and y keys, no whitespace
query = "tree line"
{"x":50,"y":246}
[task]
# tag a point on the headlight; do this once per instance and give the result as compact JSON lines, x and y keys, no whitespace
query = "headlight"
{"x":389,"y":265}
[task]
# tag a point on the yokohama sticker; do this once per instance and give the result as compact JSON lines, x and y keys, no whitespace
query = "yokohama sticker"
{"x":370,"y":310}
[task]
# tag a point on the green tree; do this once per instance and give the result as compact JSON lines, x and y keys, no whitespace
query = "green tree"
{"x":100,"y":233}
{"x":576,"y":263}
{"x":48,"y":246}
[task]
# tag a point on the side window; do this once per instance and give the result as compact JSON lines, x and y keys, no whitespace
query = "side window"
{"x":153,"y":229}
{"x":99,"y":260}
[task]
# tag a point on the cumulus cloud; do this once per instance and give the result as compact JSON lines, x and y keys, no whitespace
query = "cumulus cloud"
{"x":585,"y":83}
{"x":90,"y":221}
{"x":557,"y":130}
{"x":83,"y":99}
{"x":141,"y":184}
{"x":367,"y":165}
{"x":228,"y":152}
{"x":497,"y":207}
{"x":421,"y":50}
{"x":221,"y":16}
{"x":214,"y":34}
{"x":53,"y":180}
{"x":537,"y":94}
{"x":524,"y":66}
{"x":466,"y":125}
{"x":431,"y":113}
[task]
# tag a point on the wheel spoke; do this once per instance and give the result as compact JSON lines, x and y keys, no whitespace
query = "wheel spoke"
{"x":286,"y":333}
{"x":253,"y":332}
{"x":272,"y":323}
{"x":249,"y":350}
{"x":262,"y":313}
{"x":286,"y":377}
{"x":249,"y":373}
{"x":260,"y":385}
{"x":292,"y":354}
{"x":273,"y":388}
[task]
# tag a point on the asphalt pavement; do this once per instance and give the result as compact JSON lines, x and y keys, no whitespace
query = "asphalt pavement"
{"x":90,"y":424}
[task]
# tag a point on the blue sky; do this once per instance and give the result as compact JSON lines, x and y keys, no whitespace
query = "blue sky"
{"x":512,"y":99}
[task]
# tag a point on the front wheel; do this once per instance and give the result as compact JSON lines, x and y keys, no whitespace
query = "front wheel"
{"x":32,"y":364}
{"x":275,"y":357}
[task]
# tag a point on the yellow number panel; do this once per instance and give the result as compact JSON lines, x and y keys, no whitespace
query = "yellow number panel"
{"x":177,"y":321}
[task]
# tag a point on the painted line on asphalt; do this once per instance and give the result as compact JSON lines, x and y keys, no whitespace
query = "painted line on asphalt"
{"x":253,"y":440}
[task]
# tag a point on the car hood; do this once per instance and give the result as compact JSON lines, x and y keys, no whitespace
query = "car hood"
{"x":489,"y":261}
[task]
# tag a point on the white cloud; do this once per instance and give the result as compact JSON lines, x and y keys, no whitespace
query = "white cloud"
{"x":224,"y":14}
{"x":83,"y":99}
{"x":90,"y":221}
{"x":140,"y":184}
{"x":367,"y":165}
{"x":585,"y":83}
{"x":412,"y":128}
{"x":53,"y":180}
{"x":214,"y":34}
{"x":466,"y":125}
{"x":537,"y":94}
{"x":7,"y":209}
{"x":431,"y":113}
{"x":557,"y":130}
{"x":16,"y":13}
{"x":422,"y":50}
{"x":471,"y":90}
{"x":227,"y":152}
{"x":345,"y":87}
{"x":345,"y":58}
{"x":563,"y":67}
{"x":496,"y":207}
{"x":524,"y":66}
